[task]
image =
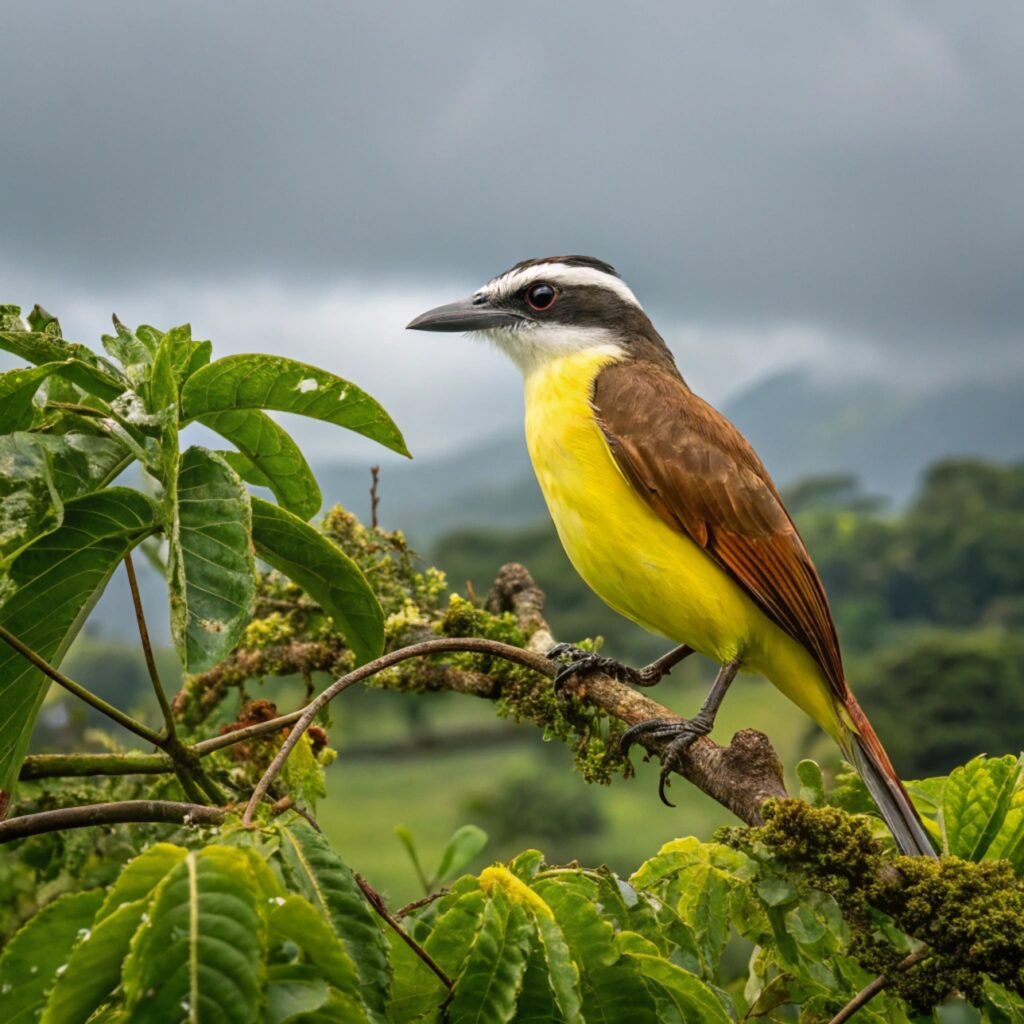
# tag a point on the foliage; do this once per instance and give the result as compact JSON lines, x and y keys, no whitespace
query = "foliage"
{"x":73,"y":424}
{"x":275,"y":918}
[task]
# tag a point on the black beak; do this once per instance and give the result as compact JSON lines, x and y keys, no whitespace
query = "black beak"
{"x":464,"y":315}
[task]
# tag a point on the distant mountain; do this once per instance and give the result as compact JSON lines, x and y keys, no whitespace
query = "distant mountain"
{"x":878,"y":432}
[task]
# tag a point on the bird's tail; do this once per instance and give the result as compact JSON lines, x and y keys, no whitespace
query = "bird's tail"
{"x":884,"y":785}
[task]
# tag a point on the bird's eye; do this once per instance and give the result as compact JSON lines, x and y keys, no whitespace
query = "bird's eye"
{"x":540,"y":296}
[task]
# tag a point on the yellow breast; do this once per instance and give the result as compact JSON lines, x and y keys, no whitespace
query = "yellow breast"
{"x":634,"y":561}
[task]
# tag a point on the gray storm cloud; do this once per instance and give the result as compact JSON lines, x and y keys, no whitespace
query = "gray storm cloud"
{"x":858,"y":168}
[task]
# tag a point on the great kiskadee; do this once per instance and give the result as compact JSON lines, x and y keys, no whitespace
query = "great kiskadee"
{"x":666,"y":511}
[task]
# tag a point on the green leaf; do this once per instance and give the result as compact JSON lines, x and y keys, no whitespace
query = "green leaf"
{"x":405,"y":837}
{"x":44,"y":321}
{"x":561,"y":977}
{"x":324,"y":571}
{"x":277,"y":458}
{"x":133,"y":352}
{"x":318,"y":873}
{"x":94,"y":967}
{"x":199,"y":956}
{"x":293,"y":989}
{"x":212,"y":569}
{"x":488,"y":987}
{"x":416,"y":989}
{"x":17,"y":389}
{"x":1009,"y":841}
{"x":74,"y":562}
{"x":244,"y":468}
{"x":10,"y":318}
{"x":701,"y":879}
{"x":466,"y":842}
{"x":39,"y":472}
{"x":692,"y":999}
{"x":83,"y":367}
{"x":611,"y":987}
{"x":32,"y":959}
{"x":303,"y":774}
{"x":29,"y":503}
{"x":141,"y":875}
{"x":974,"y":804}
{"x":273,"y":382}
{"x":812,"y":783}
{"x":296,"y":919}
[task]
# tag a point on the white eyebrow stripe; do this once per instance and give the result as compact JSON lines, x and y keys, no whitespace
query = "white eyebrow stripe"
{"x":559,"y":273}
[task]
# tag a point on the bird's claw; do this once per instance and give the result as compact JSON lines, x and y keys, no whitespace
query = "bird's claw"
{"x":581,"y":663}
{"x":681,"y":736}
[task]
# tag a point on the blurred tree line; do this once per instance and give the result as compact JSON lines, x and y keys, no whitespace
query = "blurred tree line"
{"x":929,"y":601}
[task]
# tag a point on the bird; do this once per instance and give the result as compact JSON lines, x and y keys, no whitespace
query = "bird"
{"x":666,"y":511}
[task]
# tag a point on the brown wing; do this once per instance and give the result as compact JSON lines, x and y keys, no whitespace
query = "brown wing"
{"x":700,"y":475}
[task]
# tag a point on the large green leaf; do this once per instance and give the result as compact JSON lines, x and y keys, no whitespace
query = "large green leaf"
{"x":17,"y":389}
{"x":93,"y":969}
{"x":324,"y":571}
{"x":83,"y":367}
{"x":296,"y":919}
{"x":416,"y":988}
{"x":487,"y":989}
{"x":39,"y":953}
{"x":275,"y":455}
{"x":316,"y":871}
{"x":39,"y":472}
{"x":30,"y":505}
{"x":141,"y":875}
{"x":54,"y":583}
{"x":975,"y":801}
{"x":685,"y":992}
{"x":199,"y":956}
{"x":612,"y":987}
{"x":273,"y":382}
{"x":212,"y":569}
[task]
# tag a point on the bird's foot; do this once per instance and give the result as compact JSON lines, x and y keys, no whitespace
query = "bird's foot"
{"x":579,"y":663}
{"x":681,"y":736}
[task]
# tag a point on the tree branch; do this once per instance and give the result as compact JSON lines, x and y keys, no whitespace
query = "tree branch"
{"x":740,"y":776}
{"x":168,"y":811}
{"x":53,"y":766}
{"x":866,"y":994}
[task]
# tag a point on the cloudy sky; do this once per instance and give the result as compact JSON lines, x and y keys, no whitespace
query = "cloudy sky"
{"x":839,"y":186}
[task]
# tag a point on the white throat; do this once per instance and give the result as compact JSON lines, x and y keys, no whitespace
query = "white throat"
{"x":534,"y":346}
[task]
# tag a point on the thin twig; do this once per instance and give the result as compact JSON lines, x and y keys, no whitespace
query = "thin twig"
{"x":168,"y":811}
{"x":378,"y":905}
{"x":423,"y":901}
{"x":442,"y":645}
{"x":866,"y":994}
{"x":229,"y":739}
{"x":129,"y":723}
{"x":147,"y":647}
{"x":374,"y":496}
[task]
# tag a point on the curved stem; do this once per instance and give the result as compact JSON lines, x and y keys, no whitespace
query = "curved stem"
{"x":147,"y":647}
{"x":129,"y":723}
{"x":168,"y":811}
{"x":443,"y":645}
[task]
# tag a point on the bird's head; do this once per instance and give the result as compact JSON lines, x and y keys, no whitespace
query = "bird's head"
{"x":544,"y":309}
